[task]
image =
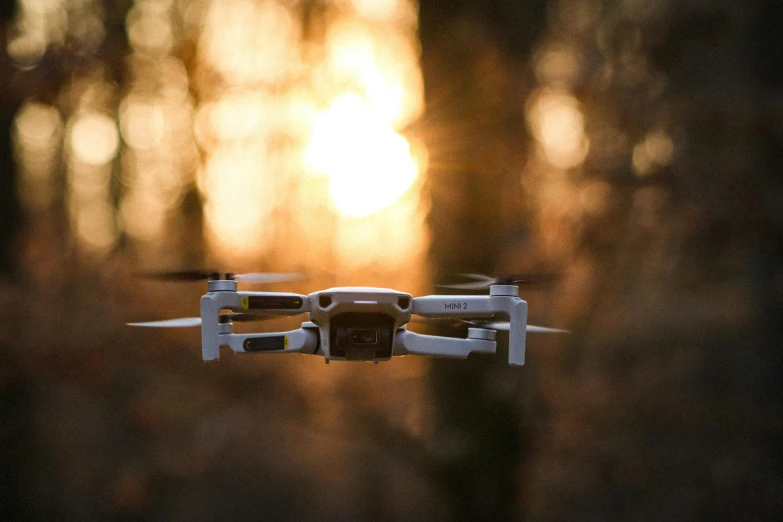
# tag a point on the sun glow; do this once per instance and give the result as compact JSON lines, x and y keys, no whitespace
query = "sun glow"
{"x":368,"y":163}
{"x":281,"y":119}
{"x":249,"y":42}
{"x":255,"y":134}
{"x":323,"y":99}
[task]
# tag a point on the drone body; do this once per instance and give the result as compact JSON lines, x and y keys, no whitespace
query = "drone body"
{"x":360,"y":324}
{"x":354,"y":323}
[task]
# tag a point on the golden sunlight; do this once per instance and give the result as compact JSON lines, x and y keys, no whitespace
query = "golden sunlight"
{"x":95,"y":224}
{"x":558,"y":124}
{"x":250,"y":42}
{"x":141,"y":122}
{"x":379,"y":63}
{"x":280,"y":119}
{"x":38,"y":130}
{"x":377,"y":9}
{"x":238,"y":200}
{"x":298,"y":131}
{"x":149,"y":29}
{"x":93,"y":138}
{"x":369,"y":165}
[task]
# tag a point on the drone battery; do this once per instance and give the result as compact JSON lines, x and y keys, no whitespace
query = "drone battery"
{"x":266,"y":344}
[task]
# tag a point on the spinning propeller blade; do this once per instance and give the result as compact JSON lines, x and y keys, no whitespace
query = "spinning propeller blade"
{"x":480,"y":282}
{"x":189,"y":322}
{"x":203,"y":275}
{"x":505,"y":326}
{"x":179,"y":275}
{"x":483,"y":282}
{"x":544,"y":329}
{"x":267,"y":277}
{"x":183,"y":322}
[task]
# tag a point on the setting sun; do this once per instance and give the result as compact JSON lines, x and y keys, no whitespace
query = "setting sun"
{"x":368,"y":163}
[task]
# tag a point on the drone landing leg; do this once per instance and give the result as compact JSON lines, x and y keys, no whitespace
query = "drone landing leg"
{"x":210,"y":345}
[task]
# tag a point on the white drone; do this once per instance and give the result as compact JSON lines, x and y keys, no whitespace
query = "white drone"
{"x":354,"y":324}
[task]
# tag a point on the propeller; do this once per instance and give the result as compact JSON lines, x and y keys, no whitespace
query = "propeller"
{"x":179,"y":275}
{"x":189,"y":322}
{"x":204,"y":275}
{"x":182,"y":322}
{"x":503,"y":326}
{"x":268,"y":277}
{"x":483,"y":282}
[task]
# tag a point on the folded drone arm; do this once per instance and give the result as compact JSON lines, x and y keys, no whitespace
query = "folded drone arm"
{"x":473,"y":306}
{"x":411,"y":343}
{"x":302,"y":340}
{"x":262,"y":303}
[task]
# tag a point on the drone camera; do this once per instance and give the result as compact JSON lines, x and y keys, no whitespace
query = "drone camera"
{"x":359,"y":323}
{"x":362,"y":336}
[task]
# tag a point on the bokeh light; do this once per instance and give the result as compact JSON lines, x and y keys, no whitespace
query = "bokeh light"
{"x":368,"y":164}
{"x":238,"y":200}
{"x":322,"y":103}
{"x":656,"y":150}
{"x":94,"y":139}
{"x":245,"y":101}
{"x":38,"y":130}
{"x":627,"y":149}
{"x":251,"y":42}
{"x":558,"y":125}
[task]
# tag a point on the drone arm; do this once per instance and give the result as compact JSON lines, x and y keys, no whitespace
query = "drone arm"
{"x":263,"y":303}
{"x":411,"y":343}
{"x":446,"y":306}
{"x":302,"y":340}
{"x":473,"y":306}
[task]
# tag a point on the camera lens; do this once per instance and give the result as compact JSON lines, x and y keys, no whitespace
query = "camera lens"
{"x":364,"y":336}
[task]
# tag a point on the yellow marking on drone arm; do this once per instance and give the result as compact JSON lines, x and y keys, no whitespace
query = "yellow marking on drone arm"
{"x":245,"y":302}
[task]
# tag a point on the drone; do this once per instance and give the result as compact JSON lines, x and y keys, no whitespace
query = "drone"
{"x":354,"y":323}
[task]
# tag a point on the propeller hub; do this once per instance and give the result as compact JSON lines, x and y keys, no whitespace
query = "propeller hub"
{"x":482,"y":333}
{"x":225,"y":328}
{"x":504,"y":290}
{"x":222,"y":285}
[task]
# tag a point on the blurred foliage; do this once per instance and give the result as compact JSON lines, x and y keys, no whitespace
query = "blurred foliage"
{"x":631,"y":145}
{"x":664,"y":403}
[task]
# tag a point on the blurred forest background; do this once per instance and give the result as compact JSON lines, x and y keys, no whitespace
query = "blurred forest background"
{"x":633,"y":147}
